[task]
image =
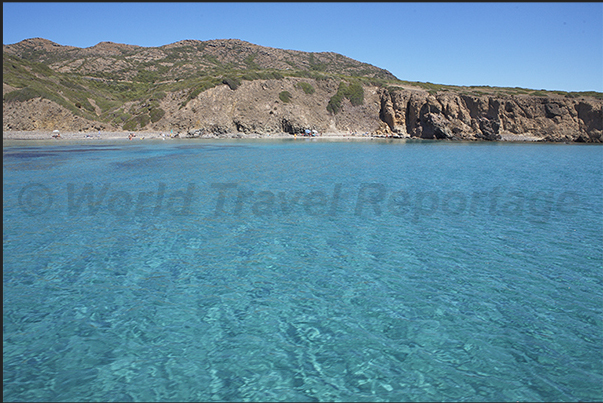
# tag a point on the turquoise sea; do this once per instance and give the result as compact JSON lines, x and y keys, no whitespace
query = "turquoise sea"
{"x":302,"y":271}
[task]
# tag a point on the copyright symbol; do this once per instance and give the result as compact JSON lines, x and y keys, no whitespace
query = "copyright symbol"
{"x":35,"y":199}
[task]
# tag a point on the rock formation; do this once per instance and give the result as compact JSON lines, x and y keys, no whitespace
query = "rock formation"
{"x":465,"y":117}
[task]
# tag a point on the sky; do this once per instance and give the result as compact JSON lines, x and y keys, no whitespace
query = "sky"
{"x":551,"y":46}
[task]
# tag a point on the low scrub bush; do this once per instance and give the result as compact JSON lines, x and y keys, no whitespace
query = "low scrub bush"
{"x":393,"y":89}
{"x":156,"y":114}
{"x":159,"y":95}
{"x":270,"y":75}
{"x":143,"y":120}
{"x":232,"y":82}
{"x":252,"y":75}
{"x":334,"y":104}
{"x":199,"y":88}
{"x":146,"y":76}
{"x":285,"y":96}
{"x":72,"y":85}
{"x":251,"y":64}
{"x":121,"y":117}
{"x":306,"y":87}
{"x":106,"y":104}
{"x":593,"y":94}
{"x":136,"y":122}
{"x":314,"y":65}
{"x":21,"y":95}
{"x":80,"y":101}
{"x":130,"y":125}
{"x":354,"y":92}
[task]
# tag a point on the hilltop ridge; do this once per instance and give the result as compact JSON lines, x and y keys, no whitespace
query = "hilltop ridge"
{"x":189,"y":56}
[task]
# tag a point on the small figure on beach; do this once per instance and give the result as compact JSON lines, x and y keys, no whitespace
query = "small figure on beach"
{"x":56,"y":134}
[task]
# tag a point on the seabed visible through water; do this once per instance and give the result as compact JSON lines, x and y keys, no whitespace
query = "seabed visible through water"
{"x":309,"y":271}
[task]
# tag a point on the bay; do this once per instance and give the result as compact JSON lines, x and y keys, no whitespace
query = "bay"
{"x":382,"y":270}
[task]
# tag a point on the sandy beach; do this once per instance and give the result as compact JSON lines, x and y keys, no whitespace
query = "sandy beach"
{"x":91,"y":136}
{"x":155,"y":135}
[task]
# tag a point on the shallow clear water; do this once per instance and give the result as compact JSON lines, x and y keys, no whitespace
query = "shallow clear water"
{"x":301,"y":270}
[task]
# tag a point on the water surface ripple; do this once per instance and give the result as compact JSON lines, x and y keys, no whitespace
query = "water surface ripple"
{"x":302,"y":271}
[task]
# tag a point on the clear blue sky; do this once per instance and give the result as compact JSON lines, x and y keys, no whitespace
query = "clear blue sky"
{"x":553,"y":46}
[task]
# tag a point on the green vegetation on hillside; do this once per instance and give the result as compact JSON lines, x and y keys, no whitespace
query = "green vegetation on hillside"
{"x":285,"y":96}
{"x":306,"y":87}
{"x":352,"y":91}
{"x":232,"y":82}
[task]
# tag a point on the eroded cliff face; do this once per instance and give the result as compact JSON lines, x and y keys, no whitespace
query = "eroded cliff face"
{"x":255,"y":107}
{"x":44,"y":115}
{"x":464,"y":117}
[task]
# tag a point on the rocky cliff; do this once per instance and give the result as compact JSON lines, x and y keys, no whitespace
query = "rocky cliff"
{"x":456,"y":116}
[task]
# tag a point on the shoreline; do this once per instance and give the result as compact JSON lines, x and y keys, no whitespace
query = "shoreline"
{"x":157,"y":135}
{"x":41,"y":135}
{"x":46,"y":138}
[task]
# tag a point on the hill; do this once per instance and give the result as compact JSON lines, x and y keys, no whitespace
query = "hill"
{"x":225,"y":87}
{"x":183,"y":60}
